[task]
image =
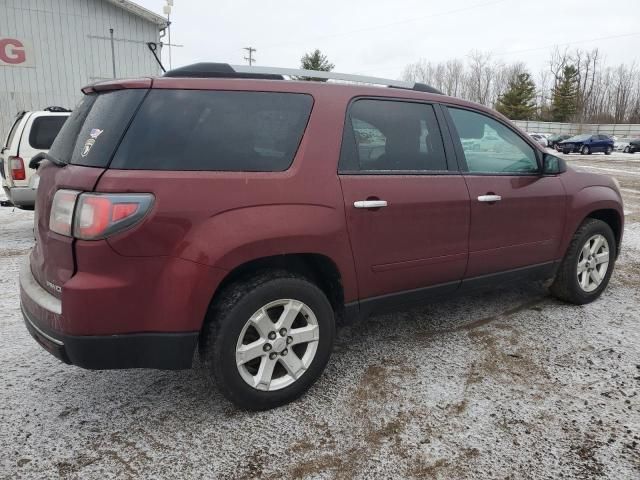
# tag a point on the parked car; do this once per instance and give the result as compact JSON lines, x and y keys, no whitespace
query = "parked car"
{"x":31,"y":133}
{"x":541,"y":139}
{"x":624,"y":145}
{"x":555,"y":139}
{"x":240,"y":217}
{"x":633,"y":147}
{"x":586,"y":144}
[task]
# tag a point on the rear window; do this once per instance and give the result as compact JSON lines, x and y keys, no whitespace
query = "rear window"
{"x":44,"y":131}
{"x":91,"y":134}
{"x":215,"y":130}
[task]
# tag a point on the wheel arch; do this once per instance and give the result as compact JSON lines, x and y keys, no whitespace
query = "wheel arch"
{"x":593,"y":201}
{"x":317,"y":268}
{"x":612,"y":218}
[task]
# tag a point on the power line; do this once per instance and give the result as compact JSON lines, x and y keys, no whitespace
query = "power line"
{"x":250,"y":58}
{"x":567,"y":43}
{"x":521,"y":51}
{"x":393,"y":24}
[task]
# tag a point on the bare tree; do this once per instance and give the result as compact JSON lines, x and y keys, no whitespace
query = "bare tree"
{"x":605,"y":93}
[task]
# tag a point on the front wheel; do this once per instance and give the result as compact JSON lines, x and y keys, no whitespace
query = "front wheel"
{"x":588,"y":264}
{"x":585,"y":150}
{"x":268,"y":339}
{"x":626,"y":150}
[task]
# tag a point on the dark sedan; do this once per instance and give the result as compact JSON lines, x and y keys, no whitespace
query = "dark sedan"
{"x":586,"y":144}
{"x":555,"y":139}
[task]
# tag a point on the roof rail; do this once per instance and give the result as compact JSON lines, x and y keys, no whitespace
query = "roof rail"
{"x":224,"y":70}
{"x":55,"y":109}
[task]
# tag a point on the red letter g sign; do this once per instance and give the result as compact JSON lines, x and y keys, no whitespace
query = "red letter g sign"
{"x":12,"y":51}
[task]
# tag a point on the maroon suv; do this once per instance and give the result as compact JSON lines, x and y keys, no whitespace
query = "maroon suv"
{"x":242,"y":214}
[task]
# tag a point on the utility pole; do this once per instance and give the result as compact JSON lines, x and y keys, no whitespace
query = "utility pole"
{"x":113,"y":53}
{"x":250,"y":58}
{"x":167,"y":12}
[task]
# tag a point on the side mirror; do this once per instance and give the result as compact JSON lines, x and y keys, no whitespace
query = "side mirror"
{"x":552,"y":165}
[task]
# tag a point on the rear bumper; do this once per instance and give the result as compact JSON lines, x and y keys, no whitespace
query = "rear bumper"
{"x":21,"y":196}
{"x":166,"y":351}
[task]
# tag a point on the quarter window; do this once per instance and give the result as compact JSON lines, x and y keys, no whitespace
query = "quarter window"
{"x":215,"y":131}
{"x":391,"y":136}
{"x":44,"y":131}
{"x":491,"y":147}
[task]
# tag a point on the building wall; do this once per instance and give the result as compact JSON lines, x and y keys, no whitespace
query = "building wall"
{"x":63,"y":51}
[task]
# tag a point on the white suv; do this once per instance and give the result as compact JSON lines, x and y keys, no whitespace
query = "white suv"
{"x":31,"y":133}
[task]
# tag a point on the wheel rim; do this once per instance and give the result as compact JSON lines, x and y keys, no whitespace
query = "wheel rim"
{"x":277,"y":344}
{"x":585,"y":150}
{"x":593,"y":263}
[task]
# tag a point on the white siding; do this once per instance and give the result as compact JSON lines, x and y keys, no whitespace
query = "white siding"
{"x":65,"y":53}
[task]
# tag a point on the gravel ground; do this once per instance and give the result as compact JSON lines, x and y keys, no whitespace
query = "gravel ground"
{"x":508,"y":383}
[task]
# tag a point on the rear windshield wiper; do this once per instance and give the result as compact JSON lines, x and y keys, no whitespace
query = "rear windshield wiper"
{"x":35,"y":161}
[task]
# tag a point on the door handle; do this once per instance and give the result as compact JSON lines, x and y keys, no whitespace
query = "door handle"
{"x":370,"y":203}
{"x":489,"y":198}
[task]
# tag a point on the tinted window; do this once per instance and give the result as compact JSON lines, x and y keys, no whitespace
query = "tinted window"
{"x":491,"y":147}
{"x":92,"y":132}
{"x":44,"y":131}
{"x":215,"y":130}
{"x":382,"y":135}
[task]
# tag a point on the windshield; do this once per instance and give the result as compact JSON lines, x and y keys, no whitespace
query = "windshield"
{"x":579,"y":138}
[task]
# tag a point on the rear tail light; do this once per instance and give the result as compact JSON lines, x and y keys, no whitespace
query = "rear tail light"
{"x":99,"y":215}
{"x":16,"y":165}
{"x":93,"y":216}
{"x":61,"y":217}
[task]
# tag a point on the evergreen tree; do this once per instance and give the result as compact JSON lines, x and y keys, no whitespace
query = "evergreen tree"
{"x":316,"y":61}
{"x":564,"y":103}
{"x":518,"y":102}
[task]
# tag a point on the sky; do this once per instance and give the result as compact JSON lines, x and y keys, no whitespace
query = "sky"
{"x":372,"y":37}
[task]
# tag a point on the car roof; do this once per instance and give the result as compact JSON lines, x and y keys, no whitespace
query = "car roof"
{"x":314,"y":88}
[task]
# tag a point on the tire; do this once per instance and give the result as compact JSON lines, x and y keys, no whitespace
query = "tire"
{"x":585,"y":150}
{"x":228,"y":319}
{"x":608,"y":150}
{"x":626,"y":150}
{"x":567,"y":286}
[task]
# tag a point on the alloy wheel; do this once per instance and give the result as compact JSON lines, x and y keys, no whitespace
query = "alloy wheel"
{"x":277,"y":344}
{"x":593,"y":263}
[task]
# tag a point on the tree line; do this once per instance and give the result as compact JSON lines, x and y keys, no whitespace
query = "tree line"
{"x":576,"y":86}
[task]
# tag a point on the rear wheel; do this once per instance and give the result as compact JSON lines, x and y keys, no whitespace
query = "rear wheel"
{"x":585,"y":150}
{"x":268,"y":339}
{"x":608,"y":150}
{"x":588,"y":264}
{"x":626,"y":150}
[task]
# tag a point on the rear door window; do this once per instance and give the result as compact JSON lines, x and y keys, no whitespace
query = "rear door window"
{"x":215,"y":131}
{"x":44,"y":130}
{"x":91,"y":134}
{"x":391,"y":136}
